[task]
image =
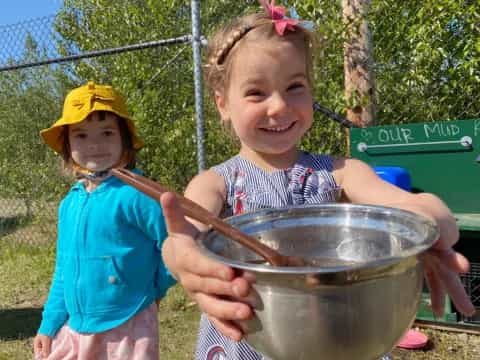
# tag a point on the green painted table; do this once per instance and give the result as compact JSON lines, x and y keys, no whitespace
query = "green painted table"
{"x":442,"y":158}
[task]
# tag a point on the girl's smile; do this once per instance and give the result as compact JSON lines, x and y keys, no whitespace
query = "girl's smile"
{"x":279,"y":129}
{"x":268,"y":99}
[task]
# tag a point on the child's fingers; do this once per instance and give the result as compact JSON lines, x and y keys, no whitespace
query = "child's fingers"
{"x":46,"y":347}
{"x":453,"y":285}
{"x":227,"y":328}
{"x":437,"y":291}
{"x":238,"y":288}
{"x":222,"y":309}
{"x":37,"y":348}
{"x":174,"y":216}
{"x":41,"y":346}
{"x":181,"y":253}
{"x":193,"y":261}
{"x":451,"y":259}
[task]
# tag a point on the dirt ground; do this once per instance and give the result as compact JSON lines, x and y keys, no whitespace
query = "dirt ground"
{"x":443,"y":345}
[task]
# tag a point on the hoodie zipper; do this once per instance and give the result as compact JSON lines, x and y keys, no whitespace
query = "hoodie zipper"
{"x":80,"y":245}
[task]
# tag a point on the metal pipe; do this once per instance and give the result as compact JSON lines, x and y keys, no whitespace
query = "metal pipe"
{"x":96,"y":53}
{"x":333,"y":115}
{"x":197,"y":77}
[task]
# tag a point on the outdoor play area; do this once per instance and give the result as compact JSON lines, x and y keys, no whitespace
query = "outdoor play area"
{"x":395,"y":84}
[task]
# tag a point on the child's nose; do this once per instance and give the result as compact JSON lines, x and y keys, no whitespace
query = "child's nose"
{"x":93,"y":145}
{"x":277,"y":105}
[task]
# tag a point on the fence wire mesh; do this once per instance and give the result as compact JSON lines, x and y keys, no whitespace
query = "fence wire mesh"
{"x":425,"y":62}
{"x":471,"y":282}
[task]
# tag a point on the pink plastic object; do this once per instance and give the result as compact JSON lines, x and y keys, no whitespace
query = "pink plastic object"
{"x":413,"y":339}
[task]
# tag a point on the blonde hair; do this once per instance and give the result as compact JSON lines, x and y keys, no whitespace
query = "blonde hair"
{"x":224,"y":44}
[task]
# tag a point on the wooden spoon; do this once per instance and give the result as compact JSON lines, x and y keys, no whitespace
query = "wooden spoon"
{"x":197,"y":212}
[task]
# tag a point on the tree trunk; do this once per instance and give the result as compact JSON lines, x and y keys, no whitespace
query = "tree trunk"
{"x":358,"y":64}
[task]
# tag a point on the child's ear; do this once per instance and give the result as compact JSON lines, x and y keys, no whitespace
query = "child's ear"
{"x":222,"y":107}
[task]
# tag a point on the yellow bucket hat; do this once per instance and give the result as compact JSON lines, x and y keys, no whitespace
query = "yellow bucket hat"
{"x":80,"y":103}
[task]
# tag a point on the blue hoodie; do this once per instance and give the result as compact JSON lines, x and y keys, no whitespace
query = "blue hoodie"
{"x":108,"y":264}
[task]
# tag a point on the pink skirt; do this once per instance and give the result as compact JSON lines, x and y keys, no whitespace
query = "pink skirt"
{"x":137,"y":339}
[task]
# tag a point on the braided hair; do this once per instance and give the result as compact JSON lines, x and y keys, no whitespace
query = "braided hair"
{"x":225,"y":43}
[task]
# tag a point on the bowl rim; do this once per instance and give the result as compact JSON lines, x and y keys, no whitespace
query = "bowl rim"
{"x":430,"y":239}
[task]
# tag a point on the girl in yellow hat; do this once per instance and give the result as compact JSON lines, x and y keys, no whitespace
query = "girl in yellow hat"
{"x":109,"y":270}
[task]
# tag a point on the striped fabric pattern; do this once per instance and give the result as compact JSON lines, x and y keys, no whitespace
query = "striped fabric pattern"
{"x":250,"y":188}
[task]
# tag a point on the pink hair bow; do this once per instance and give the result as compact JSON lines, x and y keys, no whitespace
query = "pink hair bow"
{"x":277,"y":13}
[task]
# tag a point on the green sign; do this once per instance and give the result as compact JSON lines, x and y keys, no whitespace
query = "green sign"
{"x":441,"y":157}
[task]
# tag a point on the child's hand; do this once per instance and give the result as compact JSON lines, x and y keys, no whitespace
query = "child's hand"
{"x":206,"y":281}
{"x":442,"y":267}
{"x":442,"y":263}
{"x":42,"y":346}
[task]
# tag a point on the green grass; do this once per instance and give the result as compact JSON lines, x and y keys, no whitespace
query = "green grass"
{"x":178,"y":326}
{"x":24,"y":277}
{"x":25,"y":271}
{"x":25,"y":274}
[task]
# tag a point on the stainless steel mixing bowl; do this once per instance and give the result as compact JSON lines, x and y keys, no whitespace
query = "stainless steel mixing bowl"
{"x":357,"y":301}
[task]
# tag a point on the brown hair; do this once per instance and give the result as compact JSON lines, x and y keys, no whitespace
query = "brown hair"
{"x":129,"y":155}
{"x":225,"y":43}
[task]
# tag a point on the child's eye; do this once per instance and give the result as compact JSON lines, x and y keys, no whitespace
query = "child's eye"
{"x":108,"y":133}
{"x":296,"y":86}
{"x":80,"y":136}
{"x":253,"y":93}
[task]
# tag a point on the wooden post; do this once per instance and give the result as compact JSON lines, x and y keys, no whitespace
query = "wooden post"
{"x":358,"y":64}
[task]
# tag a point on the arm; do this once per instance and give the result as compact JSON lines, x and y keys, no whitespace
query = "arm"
{"x":55,"y":312}
{"x":147,"y":216}
{"x":206,"y":281}
{"x":442,"y":263}
{"x":208,"y":190}
{"x":362,"y":185}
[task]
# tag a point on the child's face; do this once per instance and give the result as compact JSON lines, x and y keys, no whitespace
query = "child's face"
{"x":268,"y":100}
{"x":96,"y":144}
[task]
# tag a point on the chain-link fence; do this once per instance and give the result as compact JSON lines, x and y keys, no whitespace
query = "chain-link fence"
{"x":41,"y":60}
{"x":425,"y":63}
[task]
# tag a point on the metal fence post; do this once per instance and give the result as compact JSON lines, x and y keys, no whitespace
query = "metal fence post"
{"x":197,"y":74}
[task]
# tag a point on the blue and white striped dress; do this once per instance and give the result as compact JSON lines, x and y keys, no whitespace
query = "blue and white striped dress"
{"x":250,"y":188}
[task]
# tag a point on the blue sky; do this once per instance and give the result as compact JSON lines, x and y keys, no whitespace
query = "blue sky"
{"x":14,"y":11}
